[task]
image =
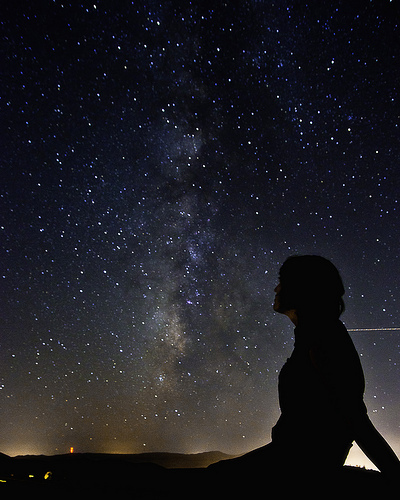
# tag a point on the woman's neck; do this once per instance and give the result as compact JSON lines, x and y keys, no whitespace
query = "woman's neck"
{"x":292,"y":315}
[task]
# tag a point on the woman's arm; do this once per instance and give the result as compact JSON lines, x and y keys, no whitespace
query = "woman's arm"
{"x":342,"y":372}
{"x":375,"y":447}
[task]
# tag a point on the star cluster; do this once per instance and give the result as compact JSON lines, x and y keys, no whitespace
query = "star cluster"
{"x":159,"y":162}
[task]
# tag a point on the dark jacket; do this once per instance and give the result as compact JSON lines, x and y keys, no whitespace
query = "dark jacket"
{"x":321,"y":388}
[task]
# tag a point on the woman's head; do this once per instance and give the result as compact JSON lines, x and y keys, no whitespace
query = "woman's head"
{"x":310,"y":285}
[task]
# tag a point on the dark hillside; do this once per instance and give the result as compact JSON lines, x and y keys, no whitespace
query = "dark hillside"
{"x":165,"y":475}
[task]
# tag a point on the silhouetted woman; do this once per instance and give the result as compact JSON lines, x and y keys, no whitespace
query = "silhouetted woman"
{"x":321,"y":385}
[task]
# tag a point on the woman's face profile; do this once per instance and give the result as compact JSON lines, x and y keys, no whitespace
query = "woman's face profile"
{"x":280,"y":308}
{"x":277,"y":303}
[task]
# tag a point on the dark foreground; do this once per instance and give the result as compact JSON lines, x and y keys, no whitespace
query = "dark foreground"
{"x":121,"y":476}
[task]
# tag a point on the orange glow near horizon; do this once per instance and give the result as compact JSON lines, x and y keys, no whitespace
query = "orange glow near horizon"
{"x":71,"y":450}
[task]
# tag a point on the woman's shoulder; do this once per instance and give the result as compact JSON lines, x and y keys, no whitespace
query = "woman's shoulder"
{"x":333,"y":339}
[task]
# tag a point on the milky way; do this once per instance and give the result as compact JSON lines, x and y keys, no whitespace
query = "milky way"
{"x":159,"y":163}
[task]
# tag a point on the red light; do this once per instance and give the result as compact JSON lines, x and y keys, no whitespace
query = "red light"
{"x":71,"y":450}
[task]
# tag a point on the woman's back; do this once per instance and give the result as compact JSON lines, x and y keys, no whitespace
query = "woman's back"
{"x":319,"y":386}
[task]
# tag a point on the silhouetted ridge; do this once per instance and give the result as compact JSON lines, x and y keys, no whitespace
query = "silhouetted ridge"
{"x":162,"y":475}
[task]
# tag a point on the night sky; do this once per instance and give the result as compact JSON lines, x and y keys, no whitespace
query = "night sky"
{"x":160,"y":160}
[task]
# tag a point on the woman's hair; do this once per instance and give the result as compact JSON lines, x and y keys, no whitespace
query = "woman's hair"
{"x":312,"y":286}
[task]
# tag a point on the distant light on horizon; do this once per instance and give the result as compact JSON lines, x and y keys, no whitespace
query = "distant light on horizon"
{"x":356,"y":458}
